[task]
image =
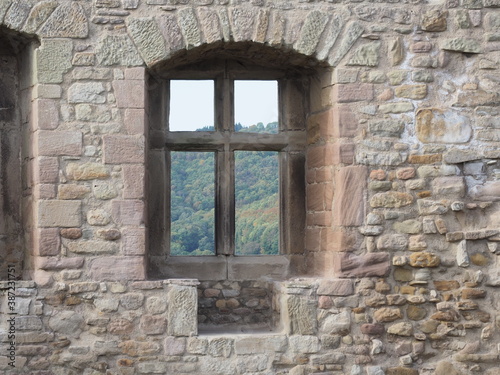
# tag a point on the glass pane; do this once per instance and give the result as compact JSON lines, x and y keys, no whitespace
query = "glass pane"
{"x":191,"y":105}
{"x":256,"y":106}
{"x":192,"y":203}
{"x":257,"y":203}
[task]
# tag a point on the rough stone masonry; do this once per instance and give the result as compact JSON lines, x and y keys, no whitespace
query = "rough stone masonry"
{"x":401,"y":258}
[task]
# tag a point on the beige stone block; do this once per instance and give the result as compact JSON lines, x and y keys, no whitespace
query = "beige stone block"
{"x":117,"y":268}
{"x":72,"y":191}
{"x":59,"y":213}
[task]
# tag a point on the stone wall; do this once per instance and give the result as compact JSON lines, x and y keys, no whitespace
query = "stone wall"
{"x":400,"y":269}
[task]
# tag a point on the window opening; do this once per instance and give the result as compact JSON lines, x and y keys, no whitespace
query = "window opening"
{"x":257,"y":203}
{"x":256,"y":106}
{"x":192,"y":203}
{"x":191,"y":105}
{"x":236,"y":163}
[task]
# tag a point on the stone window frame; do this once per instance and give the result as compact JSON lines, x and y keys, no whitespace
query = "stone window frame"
{"x":290,"y":142}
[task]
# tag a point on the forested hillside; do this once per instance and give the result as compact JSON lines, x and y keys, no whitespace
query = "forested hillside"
{"x":257,"y":202}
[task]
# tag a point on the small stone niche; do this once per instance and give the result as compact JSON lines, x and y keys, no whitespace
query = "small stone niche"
{"x":238,"y":306}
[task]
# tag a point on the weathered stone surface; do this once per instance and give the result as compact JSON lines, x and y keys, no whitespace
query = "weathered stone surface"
{"x":243,"y":23}
{"x":92,"y":113}
{"x":445,"y":285}
{"x":401,"y":329}
{"x":424,"y":259}
{"x":53,"y":59}
{"x":350,"y":265}
{"x":396,"y":51}
{"x":366,"y":55}
{"x":302,"y":312}
{"x":67,"y":21}
{"x":333,"y":32}
{"x":148,"y":39}
{"x":68,"y":323}
{"x":71,"y":191}
{"x":387,"y":314}
{"x":489,"y":191}
{"x":436,"y":170}
{"x":448,"y":186}
{"x":258,"y":344}
{"x":462,"y":45}
{"x":440,"y":126}
{"x":181,"y":311}
{"x":87,"y":171}
{"x":354,"y":31}
{"x":380,"y":158}
{"x":123,"y":149}
{"x":477,"y":98}
{"x":93,"y":247}
{"x":138,"y":348}
{"x":117,"y":50}
{"x":401,"y":371}
{"x":336,"y":323}
{"x":60,"y":264}
{"x":391,"y":199}
{"x":434,"y":20}
{"x":38,"y":15}
{"x":386,"y":127}
{"x":446,"y":368}
{"x":304,"y":344}
{"x":399,"y":107}
{"x":117,"y":268}
{"x":431,"y":207}
{"x":416,"y":313}
{"x":336,"y":288}
{"x":410,"y":226}
{"x":92,"y":92}
{"x":311,"y":31}
{"x":415,"y":92}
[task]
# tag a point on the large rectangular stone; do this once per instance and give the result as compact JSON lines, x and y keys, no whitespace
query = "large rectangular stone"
{"x":117,"y":268}
{"x":48,"y":242}
{"x":129,"y":93}
{"x":346,"y":93}
{"x":59,"y":263}
{"x":133,"y":241}
{"x":59,"y":213}
{"x":182,"y":311}
{"x":345,"y":123}
{"x":120,"y":149}
{"x":48,"y":170}
{"x":133,"y":181}
{"x":57,"y":143}
{"x":260,"y":344}
{"x":128,"y":212}
{"x":46,"y":114}
{"x":348,"y":208}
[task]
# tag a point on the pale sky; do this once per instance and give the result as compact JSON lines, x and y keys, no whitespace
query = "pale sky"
{"x":192,"y":105}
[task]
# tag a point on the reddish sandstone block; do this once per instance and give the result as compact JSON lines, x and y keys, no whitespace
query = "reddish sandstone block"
{"x":117,"y":268}
{"x":349,"y":206}
{"x":313,"y":239}
{"x":343,"y":240}
{"x":128,"y":212}
{"x":133,"y":179}
{"x":134,"y":241}
{"x":135,"y":73}
{"x":44,"y":191}
{"x":377,"y":174}
{"x":58,"y":143}
{"x":129,"y":93}
{"x":321,"y":219}
{"x":345,"y":122}
{"x":134,"y":120}
{"x":46,"y":114}
{"x":53,"y":263}
{"x":48,"y":242}
{"x":48,"y":170}
{"x":351,"y":265}
{"x":120,"y":149}
{"x":405,"y":173}
{"x":316,"y":157}
{"x":346,"y":93}
{"x":59,"y":213}
{"x":343,"y":153}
